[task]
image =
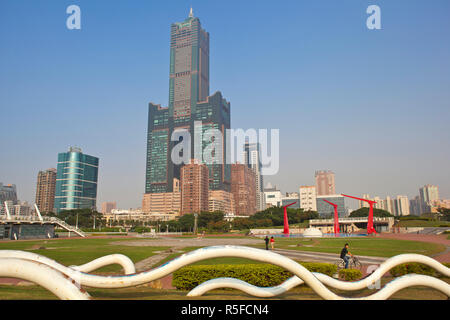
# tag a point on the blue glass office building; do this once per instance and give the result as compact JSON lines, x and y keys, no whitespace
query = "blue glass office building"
{"x":76,"y":181}
{"x":326,"y":210}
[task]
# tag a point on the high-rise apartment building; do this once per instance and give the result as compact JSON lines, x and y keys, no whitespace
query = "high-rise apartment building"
{"x":308,"y":196}
{"x":223,"y":201}
{"x":402,"y":206}
{"x":8,"y":193}
{"x":189,"y":104}
{"x":325,"y":184}
{"x":389,"y":205}
{"x":428,"y":194}
{"x":243,"y":188}
{"x":194,"y":188}
{"x":45,"y":190}
{"x":414,"y":206}
{"x":107,"y":207}
{"x":76,"y":181}
{"x":252,"y":158}
{"x":363,"y":204}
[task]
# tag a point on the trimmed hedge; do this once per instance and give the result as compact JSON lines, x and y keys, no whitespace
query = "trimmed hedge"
{"x":350,"y":274}
{"x":416,"y":268}
{"x":261,"y":275}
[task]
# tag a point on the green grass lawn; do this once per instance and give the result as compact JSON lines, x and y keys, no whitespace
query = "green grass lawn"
{"x":79,"y":251}
{"x":360,"y":246}
{"x":423,"y":223}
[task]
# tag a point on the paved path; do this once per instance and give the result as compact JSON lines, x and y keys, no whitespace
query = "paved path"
{"x":189,"y":242}
{"x":148,"y":263}
{"x":324,"y":257}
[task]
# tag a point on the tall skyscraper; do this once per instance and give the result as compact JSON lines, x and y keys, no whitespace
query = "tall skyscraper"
{"x":252,"y":158}
{"x":194,"y":188}
{"x":189,"y":102}
{"x":325,"y":184}
{"x":45,"y":190}
{"x":76,"y":181}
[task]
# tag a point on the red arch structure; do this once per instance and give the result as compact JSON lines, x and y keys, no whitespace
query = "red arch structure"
{"x":286,"y":222}
{"x":336,"y":217}
{"x":370,"y":228}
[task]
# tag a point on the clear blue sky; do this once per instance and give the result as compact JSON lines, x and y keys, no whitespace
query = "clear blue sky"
{"x":373,"y":106}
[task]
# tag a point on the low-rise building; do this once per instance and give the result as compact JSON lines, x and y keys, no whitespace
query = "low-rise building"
{"x":272,"y":196}
{"x":163,"y":203}
{"x":325,"y":210}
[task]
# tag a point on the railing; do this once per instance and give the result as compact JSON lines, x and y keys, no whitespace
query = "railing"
{"x":352,"y":219}
{"x":36,"y":219}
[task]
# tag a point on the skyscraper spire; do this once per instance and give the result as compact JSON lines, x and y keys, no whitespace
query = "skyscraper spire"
{"x":191,"y":13}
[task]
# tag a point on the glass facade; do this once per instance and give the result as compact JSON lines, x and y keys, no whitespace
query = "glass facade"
{"x":189,"y":101}
{"x":326,"y":210}
{"x":76,"y":181}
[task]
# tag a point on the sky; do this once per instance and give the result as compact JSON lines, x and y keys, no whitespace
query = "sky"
{"x":371,"y":105}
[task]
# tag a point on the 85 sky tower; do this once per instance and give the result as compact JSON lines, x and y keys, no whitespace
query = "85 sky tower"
{"x":189,"y":101}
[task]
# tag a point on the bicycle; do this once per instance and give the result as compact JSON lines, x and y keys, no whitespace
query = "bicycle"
{"x":354,"y":263}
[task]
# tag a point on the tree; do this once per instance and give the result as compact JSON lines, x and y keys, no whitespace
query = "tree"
{"x":218,"y":226}
{"x":445,"y":212}
{"x":276,"y":215}
{"x":206,"y":217}
{"x":186,"y":222}
{"x":364,"y":212}
{"x":85,"y":217}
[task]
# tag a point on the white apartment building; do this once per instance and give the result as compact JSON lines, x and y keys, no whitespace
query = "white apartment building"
{"x":308,"y":198}
{"x":402,"y":204}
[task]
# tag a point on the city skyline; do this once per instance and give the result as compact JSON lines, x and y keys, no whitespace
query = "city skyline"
{"x":398,"y":164}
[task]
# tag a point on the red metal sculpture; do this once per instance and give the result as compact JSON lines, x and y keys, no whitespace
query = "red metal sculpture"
{"x":336,"y":217}
{"x":286,"y":222}
{"x":370,"y":228}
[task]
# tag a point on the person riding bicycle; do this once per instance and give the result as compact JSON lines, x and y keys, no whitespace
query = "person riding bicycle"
{"x":344,"y":256}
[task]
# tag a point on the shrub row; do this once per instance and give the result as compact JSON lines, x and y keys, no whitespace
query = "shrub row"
{"x":261,"y":275}
{"x":416,"y":268}
{"x":350,"y":274}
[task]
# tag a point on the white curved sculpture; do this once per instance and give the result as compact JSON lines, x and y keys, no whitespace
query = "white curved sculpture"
{"x":124,"y":261}
{"x":387,"y":291}
{"x":316,"y":281}
{"x":325,"y":279}
{"x":120,"y":259}
{"x":43,"y":275}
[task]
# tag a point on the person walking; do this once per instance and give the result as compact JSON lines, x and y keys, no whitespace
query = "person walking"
{"x":272,"y":242}
{"x":266,"y":239}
